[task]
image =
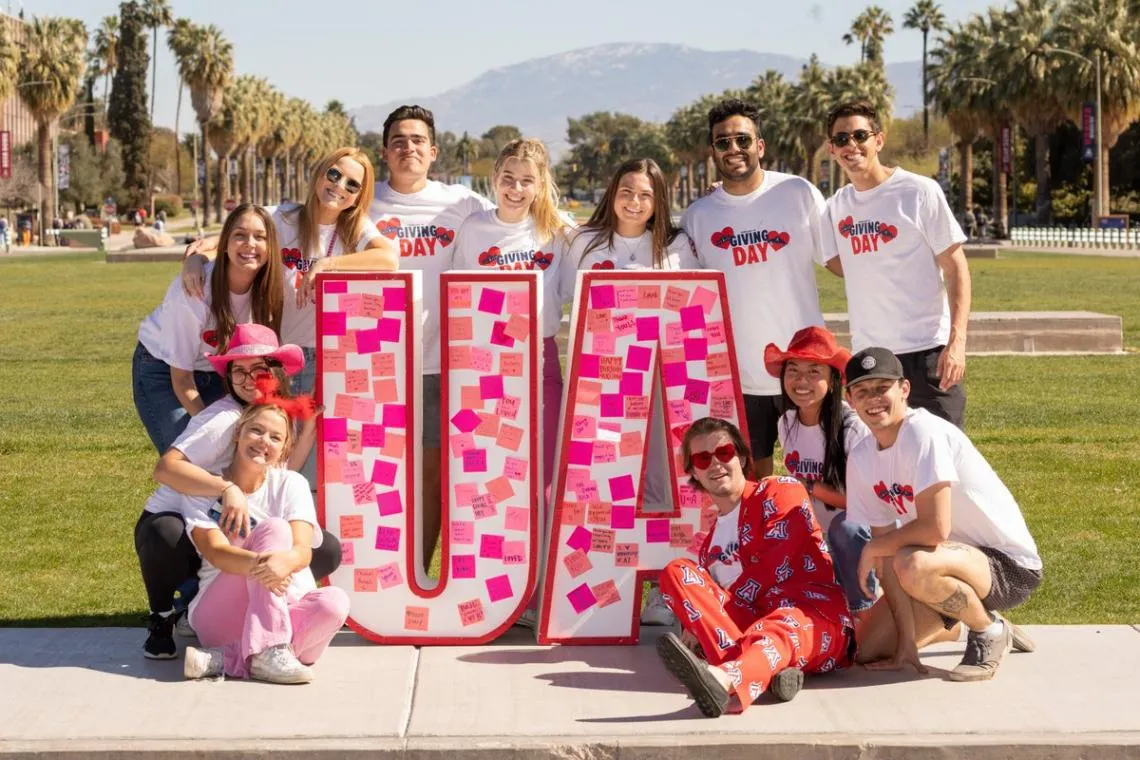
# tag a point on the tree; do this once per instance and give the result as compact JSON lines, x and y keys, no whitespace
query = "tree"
{"x":94,"y":176}
{"x":958,"y":89}
{"x":870,"y":28}
{"x":337,"y":107}
{"x":180,"y":40}
{"x":9,"y":62}
{"x":127,"y":115}
{"x":48,"y":80}
{"x":1108,"y":29}
{"x":156,"y":14}
{"x":107,"y":54}
{"x":926,"y":16}
{"x":811,"y":101}
{"x":860,"y":32}
{"x":465,"y":150}
{"x":495,"y":138}
{"x":210,"y":66}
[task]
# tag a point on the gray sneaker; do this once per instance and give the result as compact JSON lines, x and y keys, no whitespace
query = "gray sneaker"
{"x":787,"y":684}
{"x":983,"y":655}
{"x":1021,"y":640}
{"x":183,"y":628}
{"x":203,"y":663}
{"x":279,"y":665}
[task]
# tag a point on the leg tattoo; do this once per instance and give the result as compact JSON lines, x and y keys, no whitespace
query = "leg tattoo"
{"x":954,"y":604}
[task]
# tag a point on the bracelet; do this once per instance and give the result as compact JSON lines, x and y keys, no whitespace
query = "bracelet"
{"x":228,"y":487}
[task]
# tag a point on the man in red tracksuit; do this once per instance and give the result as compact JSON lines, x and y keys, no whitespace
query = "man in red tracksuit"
{"x":761,"y":607}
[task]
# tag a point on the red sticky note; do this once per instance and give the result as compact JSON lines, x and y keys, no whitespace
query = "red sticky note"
{"x":576,"y":563}
{"x":352,"y":526}
{"x":416,"y":618}
{"x":364,"y":579}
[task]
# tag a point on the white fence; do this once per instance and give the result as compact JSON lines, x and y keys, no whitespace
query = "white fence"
{"x":1062,"y":237}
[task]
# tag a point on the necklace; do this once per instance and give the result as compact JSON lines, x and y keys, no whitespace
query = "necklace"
{"x":630,"y":248}
{"x":332,"y":242}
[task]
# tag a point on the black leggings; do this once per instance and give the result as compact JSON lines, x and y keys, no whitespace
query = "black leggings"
{"x":167,"y":557}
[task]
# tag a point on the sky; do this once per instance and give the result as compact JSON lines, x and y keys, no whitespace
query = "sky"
{"x":364,"y":52}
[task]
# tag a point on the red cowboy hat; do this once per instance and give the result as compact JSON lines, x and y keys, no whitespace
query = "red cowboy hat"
{"x":251,"y":341}
{"x":811,"y":344}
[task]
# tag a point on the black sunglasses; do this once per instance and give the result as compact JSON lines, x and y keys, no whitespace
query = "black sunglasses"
{"x":860,"y":136}
{"x":724,"y":144}
{"x":334,"y":175}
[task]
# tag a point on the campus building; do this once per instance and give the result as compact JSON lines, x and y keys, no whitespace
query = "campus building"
{"x":14,"y":115}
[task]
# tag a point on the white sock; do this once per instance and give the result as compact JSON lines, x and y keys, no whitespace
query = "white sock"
{"x":723,"y":678}
{"x":994,"y":629}
{"x":167,"y":614}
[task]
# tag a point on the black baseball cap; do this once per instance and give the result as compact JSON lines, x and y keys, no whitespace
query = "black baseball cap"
{"x":872,"y":364}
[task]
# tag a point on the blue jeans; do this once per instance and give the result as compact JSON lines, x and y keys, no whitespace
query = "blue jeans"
{"x":159,"y":408}
{"x":846,"y":541}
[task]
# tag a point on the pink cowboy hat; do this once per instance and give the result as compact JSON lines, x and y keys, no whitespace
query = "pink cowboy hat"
{"x":252,"y":341}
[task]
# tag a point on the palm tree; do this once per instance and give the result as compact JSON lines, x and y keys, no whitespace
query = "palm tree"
{"x":811,"y":102}
{"x":1108,"y":30}
{"x":289,"y":134}
{"x":770,"y":92}
{"x":870,"y":28}
{"x":49,"y":77}
{"x":107,"y":54}
{"x":465,"y":150}
{"x":180,"y":41}
{"x":156,"y":13}
{"x":926,"y":16}
{"x":269,"y":143}
{"x":230,"y":131}
{"x":9,"y":62}
{"x":861,"y":32}
{"x":210,"y":67}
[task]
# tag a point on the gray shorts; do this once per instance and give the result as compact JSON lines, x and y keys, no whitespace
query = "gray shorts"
{"x":431,"y":418}
{"x":1010,"y":583}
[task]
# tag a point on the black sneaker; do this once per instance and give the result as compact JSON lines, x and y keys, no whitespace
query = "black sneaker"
{"x":787,"y":684}
{"x":693,"y":673}
{"x":160,"y":639}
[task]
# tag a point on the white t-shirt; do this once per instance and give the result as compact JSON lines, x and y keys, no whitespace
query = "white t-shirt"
{"x":486,"y":242}
{"x":284,"y":494}
{"x":888,"y":238}
{"x":208,"y":441}
{"x":299,"y":325}
{"x":424,"y":225}
{"x":766,"y":243}
{"x":804,"y":447}
{"x":882,"y":486}
{"x":628,"y":253}
{"x":181,"y":331}
{"x":724,"y":549}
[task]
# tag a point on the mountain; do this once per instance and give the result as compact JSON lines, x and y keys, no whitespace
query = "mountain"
{"x":649,"y":81}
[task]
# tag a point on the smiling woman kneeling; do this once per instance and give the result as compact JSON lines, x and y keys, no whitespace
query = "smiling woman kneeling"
{"x":259,"y":609}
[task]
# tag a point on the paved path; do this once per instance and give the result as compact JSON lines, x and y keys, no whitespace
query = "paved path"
{"x":75,"y":692}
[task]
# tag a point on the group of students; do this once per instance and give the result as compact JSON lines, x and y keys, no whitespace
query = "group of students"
{"x":248,"y":296}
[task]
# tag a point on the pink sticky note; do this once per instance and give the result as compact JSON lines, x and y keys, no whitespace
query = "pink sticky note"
{"x":499,"y":588}
{"x":637,"y":358}
{"x":715,"y":332}
{"x":363,"y":410}
{"x":335,"y":429}
{"x":389,"y":503}
{"x":466,"y":420}
{"x":621,"y":488}
{"x":604,"y":343}
{"x":515,"y":468}
{"x":697,"y":391}
{"x":389,"y":575}
{"x":612,"y":405}
{"x":632,"y":383}
{"x":581,"y":598}
{"x":674,"y":335}
{"x":461,"y":442}
{"x":696,"y":348}
{"x":514,"y":552}
{"x":475,"y":460}
{"x":648,"y":328}
{"x":372,"y":436}
{"x":384,"y":472}
{"x":347,"y":553}
{"x":581,"y":538}
{"x":602,"y":297}
{"x":518,"y":302}
{"x":334,"y":323}
{"x":336,"y":286}
{"x":692,"y":318}
{"x":387,"y":538}
{"x":704,"y":298}
{"x":395,"y":299}
{"x":675,"y":374}
{"x":367,"y":341}
{"x":581,"y":453}
{"x":491,"y":301}
{"x":462,"y":532}
{"x":589,"y":365}
{"x":395,"y":415}
{"x":584,"y":427}
{"x":491,"y":546}
{"x":491,"y":386}
{"x":462,"y":565}
{"x":622,"y":518}
{"x":517,"y":518}
{"x":352,"y":472}
{"x":388,"y":329}
{"x":657,"y":531}
{"x":465,"y":493}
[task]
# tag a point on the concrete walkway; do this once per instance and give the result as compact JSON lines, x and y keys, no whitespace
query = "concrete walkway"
{"x":77,"y":693}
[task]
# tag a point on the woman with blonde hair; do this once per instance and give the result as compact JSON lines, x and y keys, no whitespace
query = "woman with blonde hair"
{"x":525,"y":232}
{"x":171,"y":377}
{"x":329,"y":232}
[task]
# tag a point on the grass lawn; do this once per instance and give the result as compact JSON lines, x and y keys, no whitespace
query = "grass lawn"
{"x":75,"y":462}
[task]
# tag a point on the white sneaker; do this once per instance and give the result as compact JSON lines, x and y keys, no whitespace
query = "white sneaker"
{"x":182,"y":627}
{"x":656,"y":612}
{"x":278,"y":665}
{"x":203,"y":663}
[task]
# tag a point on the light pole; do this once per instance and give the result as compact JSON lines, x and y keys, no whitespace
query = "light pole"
{"x":1098,"y":196}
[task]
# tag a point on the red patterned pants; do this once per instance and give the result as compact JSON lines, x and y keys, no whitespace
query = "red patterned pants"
{"x":752,"y":645}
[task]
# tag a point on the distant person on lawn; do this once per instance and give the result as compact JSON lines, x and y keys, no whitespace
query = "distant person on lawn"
{"x":949,"y":542}
{"x":908,"y":284}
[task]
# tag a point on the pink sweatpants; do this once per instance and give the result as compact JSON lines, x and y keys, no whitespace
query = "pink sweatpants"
{"x":243,"y":617}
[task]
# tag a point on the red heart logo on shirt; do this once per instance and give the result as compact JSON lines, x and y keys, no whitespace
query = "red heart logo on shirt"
{"x":445,"y":236}
{"x":389,"y":228}
{"x":607,"y":264}
{"x":778,"y":240}
{"x":792,"y":462}
{"x":291,"y":257}
{"x":888,"y":232}
{"x":722,"y":239}
{"x":489,"y":257}
{"x":543,"y":260}
{"x":846,"y":226}
{"x":210,"y":338}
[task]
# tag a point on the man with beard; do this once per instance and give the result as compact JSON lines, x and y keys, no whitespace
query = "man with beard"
{"x":421,"y":215}
{"x":761,"y":228}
